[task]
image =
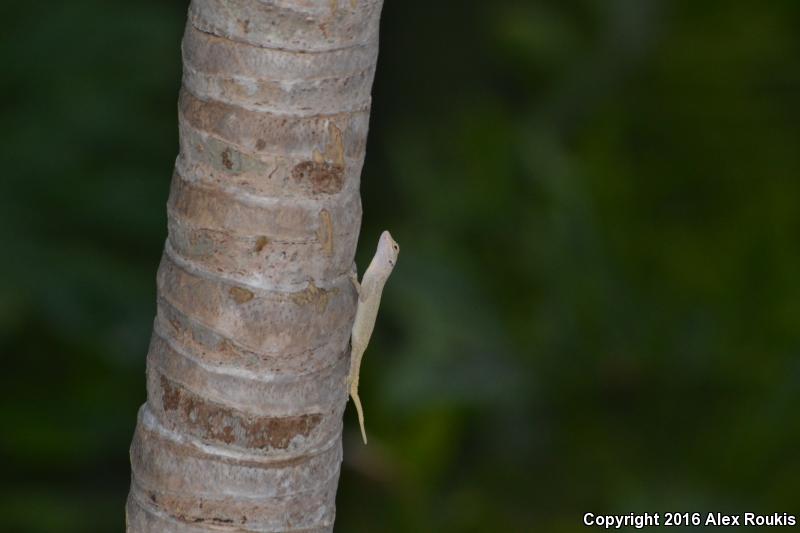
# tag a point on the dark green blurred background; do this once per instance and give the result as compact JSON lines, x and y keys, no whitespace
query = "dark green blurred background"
{"x":596,"y":307}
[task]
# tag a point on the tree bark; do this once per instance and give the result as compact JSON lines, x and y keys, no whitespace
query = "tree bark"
{"x":246,"y":369}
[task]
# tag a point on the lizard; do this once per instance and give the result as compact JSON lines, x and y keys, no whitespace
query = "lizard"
{"x":369,"y":299}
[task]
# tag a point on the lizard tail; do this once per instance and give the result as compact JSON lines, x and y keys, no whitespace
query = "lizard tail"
{"x":360,"y":410}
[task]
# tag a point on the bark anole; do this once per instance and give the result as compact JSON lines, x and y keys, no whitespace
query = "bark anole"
{"x":369,"y":299}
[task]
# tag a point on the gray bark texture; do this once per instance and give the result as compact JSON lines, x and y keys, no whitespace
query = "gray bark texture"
{"x":242,"y":428}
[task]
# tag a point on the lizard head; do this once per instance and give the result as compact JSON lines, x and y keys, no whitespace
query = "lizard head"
{"x":388,"y":249}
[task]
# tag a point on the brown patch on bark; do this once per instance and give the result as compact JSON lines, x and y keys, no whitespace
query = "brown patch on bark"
{"x":240,"y":295}
{"x":312,"y":295}
{"x":171,"y":398}
{"x":324,"y":177}
{"x":325,"y":170}
{"x":261,"y":243}
{"x":176,"y":326}
{"x":227,"y":162}
{"x":261,"y":144}
{"x":215,"y":422}
{"x":245,"y":24}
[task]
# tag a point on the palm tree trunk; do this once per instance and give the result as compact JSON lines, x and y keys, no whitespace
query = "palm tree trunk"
{"x":246,"y":370}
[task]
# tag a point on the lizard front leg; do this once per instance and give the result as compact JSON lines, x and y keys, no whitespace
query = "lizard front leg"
{"x":354,"y":279}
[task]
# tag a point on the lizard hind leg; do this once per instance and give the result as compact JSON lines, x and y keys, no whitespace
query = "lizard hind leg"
{"x":359,"y":410}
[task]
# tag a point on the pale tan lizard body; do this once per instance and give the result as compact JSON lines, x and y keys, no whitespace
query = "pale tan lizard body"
{"x":369,"y":300}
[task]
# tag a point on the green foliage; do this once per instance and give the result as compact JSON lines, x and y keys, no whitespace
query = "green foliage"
{"x":595,"y":308}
